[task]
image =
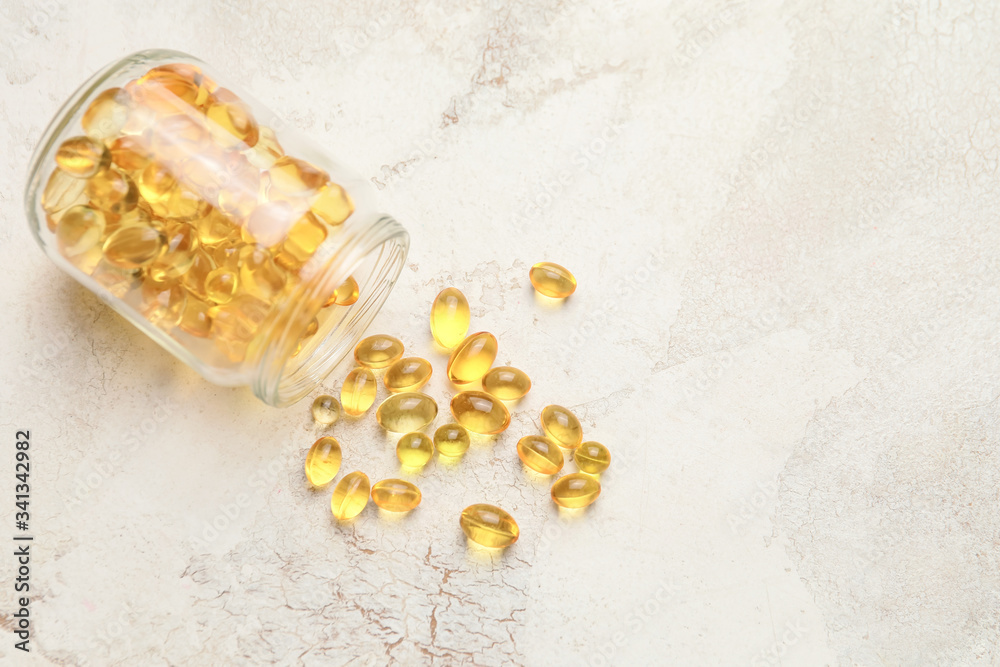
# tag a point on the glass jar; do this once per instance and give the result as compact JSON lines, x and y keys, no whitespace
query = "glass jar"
{"x":211,"y":225}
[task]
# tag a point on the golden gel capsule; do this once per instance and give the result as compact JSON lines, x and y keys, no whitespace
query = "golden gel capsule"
{"x":506,"y":383}
{"x":407,"y":374}
{"x":358,"y":392}
{"x":106,"y":115}
{"x":409,"y":411}
{"x":479,"y":412}
{"x":80,"y":229}
{"x":325,"y":410}
{"x":62,"y":191}
{"x":163,"y":306}
{"x":332,"y":205}
{"x":395,"y":495}
{"x":323,"y":461}
{"x":472,"y":358}
{"x":129,"y":154}
{"x":259,"y":275}
{"x":575,"y":490}
{"x":489,"y":526}
{"x":350,"y":496}
{"x":134,"y":246}
{"x":293,"y":176}
{"x":540,"y":454}
{"x":113,"y":191}
{"x":195,"y":319}
{"x":451,"y":439}
{"x":414,"y":449}
{"x":82,"y":157}
{"x":561,"y":426}
{"x":231,"y":122}
{"x":221,"y":285}
{"x":552,"y":280}
{"x":346,"y":294}
{"x":449,"y":317}
{"x":178,"y":254}
{"x":378,"y":351}
{"x":202,"y":264}
{"x":592,"y":458}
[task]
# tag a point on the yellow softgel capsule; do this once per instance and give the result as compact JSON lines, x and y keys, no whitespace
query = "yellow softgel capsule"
{"x":214,"y":227}
{"x":267,"y":149}
{"x":130,"y":154}
{"x":409,"y":411}
{"x":303,"y":240}
{"x":540,"y":454}
{"x":332,"y":205}
{"x":178,"y":253}
{"x":575,"y":490}
{"x":106,"y":115}
{"x":221,"y":285}
{"x":552,"y":280}
{"x":196,"y":320}
{"x":134,"y":246}
{"x":449,"y":317}
{"x":470,"y":360}
{"x":325,"y":410}
{"x":293,"y":176}
{"x":80,"y":229}
{"x":489,"y":526}
{"x":346,"y":294}
{"x":451,"y":439}
{"x":561,"y":426}
{"x":395,"y":495}
{"x":592,"y":458}
{"x":506,"y":383}
{"x":414,"y":449}
{"x":479,"y":412}
{"x":323,"y":461}
{"x":60,"y":193}
{"x":82,"y":157}
{"x":162,"y":305}
{"x":113,"y":191}
{"x":378,"y":351}
{"x":269,"y":223}
{"x":231,"y":122}
{"x":156,"y":182}
{"x":194,"y":278}
{"x":259,"y":274}
{"x":407,"y":374}
{"x":358,"y":392}
{"x":350,"y":496}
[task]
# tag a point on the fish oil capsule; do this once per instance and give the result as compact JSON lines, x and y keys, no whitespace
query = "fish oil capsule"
{"x":325,"y":410}
{"x":106,"y":115}
{"x":231,"y":122}
{"x":407,"y":374}
{"x":323,"y":461}
{"x":239,"y":319}
{"x":552,"y":280}
{"x":332,"y":205}
{"x":194,"y":278}
{"x":409,"y":411}
{"x":61,"y":192}
{"x":266,"y":151}
{"x":259,"y":275}
{"x":79,"y":230}
{"x":470,"y":360}
{"x":346,"y":294}
{"x":575,"y":490}
{"x":540,"y":454}
{"x":178,"y":253}
{"x":450,"y":317}
{"x":479,"y":412}
{"x":221,"y":285}
{"x":302,"y":241}
{"x":163,"y":306}
{"x":489,"y":526}
{"x":134,"y":246}
{"x":561,"y":426}
{"x":358,"y":392}
{"x":506,"y":383}
{"x":113,"y":191}
{"x":451,"y":440}
{"x":82,"y":157}
{"x":378,"y":351}
{"x":269,"y":223}
{"x":592,"y":458}
{"x":414,"y":449}
{"x":195,"y":319}
{"x":395,"y":495}
{"x":213,"y":227}
{"x":350,"y":496}
{"x":291,"y":175}
{"x":156,"y":182}
{"x":130,"y":154}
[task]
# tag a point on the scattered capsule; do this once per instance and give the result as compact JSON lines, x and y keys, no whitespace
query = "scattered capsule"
{"x":323,"y":461}
{"x":575,"y":490}
{"x":561,"y":426}
{"x":540,"y":454}
{"x":395,"y":495}
{"x":332,"y":205}
{"x":414,"y":449}
{"x":346,"y":294}
{"x":113,"y":191}
{"x":409,"y":411}
{"x":80,"y":229}
{"x":134,"y":246}
{"x":378,"y":351}
{"x":350,"y":496}
{"x":506,"y":383}
{"x":552,"y":280}
{"x":221,"y":285}
{"x":358,"y":392}
{"x":489,"y":526}
{"x":479,"y":412}
{"x":325,"y":410}
{"x":449,"y":317}
{"x":407,"y":374}
{"x":470,"y":360}
{"x":451,"y":440}
{"x":82,"y":157}
{"x":592,"y":458}
{"x":106,"y":115}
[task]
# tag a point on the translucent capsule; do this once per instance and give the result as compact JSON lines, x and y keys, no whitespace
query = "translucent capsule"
{"x":346,"y":294}
{"x":60,"y":193}
{"x":592,"y":458}
{"x":269,"y":223}
{"x":221,"y":285}
{"x":470,"y":360}
{"x":451,"y":439}
{"x":294,"y":176}
{"x":409,"y":411}
{"x":80,"y":229}
{"x":82,"y":157}
{"x":332,"y":205}
{"x":540,"y":454}
{"x":134,"y":246}
{"x":156,"y":182}
{"x":162,"y":305}
{"x":506,"y":383}
{"x":395,"y":495}
{"x":196,"y":320}
{"x":302,"y":241}
{"x":378,"y":351}
{"x":230,"y":120}
{"x":266,"y":151}
{"x":259,"y":274}
{"x":489,"y":526}
{"x":178,"y":253}
{"x":106,"y":115}
{"x":176,"y":137}
{"x":323,"y":461}
{"x":130,"y":154}
{"x":358,"y":392}
{"x":575,"y":490}
{"x":552,"y":280}
{"x":194,"y":278}
{"x":179,"y":78}
{"x":479,"y":412}
{"x":113,"y":191}
{"x":561,"y":426}
{"x":414,"y":449}
{"x":407,"y":374}
{"x":350,"y":496}
{"x":449,"y":317}
{"x":325,"y":410}
{"x":214,"y":227}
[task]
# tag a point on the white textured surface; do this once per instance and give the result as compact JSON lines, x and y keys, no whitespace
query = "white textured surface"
{"x":786,"y":332}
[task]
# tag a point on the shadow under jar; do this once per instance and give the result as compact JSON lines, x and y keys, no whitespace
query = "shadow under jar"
{"x":203,"y":219}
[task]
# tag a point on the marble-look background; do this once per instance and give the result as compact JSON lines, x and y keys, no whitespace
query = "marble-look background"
{"x":783,"y":219}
